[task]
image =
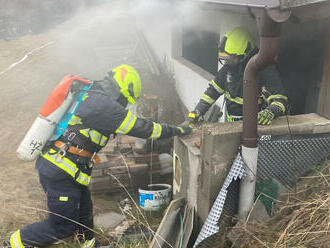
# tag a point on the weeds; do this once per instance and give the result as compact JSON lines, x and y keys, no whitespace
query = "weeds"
{"x":301,"y":220}
{"x":143,"y":219}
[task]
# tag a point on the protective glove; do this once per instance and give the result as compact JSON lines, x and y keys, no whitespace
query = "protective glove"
{"x":182,"y":130}
{"x":265,"y":117}
{"x":195,"y":117}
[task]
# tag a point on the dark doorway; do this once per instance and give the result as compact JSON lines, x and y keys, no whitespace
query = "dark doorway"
{"x":301,"y":59}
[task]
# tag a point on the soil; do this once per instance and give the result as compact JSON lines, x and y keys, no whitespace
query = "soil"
{"x":88,"y":44}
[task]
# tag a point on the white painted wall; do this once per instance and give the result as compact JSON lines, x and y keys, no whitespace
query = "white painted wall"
{"x":156,"y":20}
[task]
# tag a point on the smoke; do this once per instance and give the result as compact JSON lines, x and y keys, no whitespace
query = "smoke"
{"x":181,"y":13}
{"x":21,"y":17}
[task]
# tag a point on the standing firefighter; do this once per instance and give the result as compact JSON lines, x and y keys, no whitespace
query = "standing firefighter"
{"x":65,"y":165}
{"x":236,"y":48}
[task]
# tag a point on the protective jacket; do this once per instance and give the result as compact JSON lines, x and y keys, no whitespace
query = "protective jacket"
{"x":97,"y":117}
{"x":229,"y":81}
{"x":64,"y":175}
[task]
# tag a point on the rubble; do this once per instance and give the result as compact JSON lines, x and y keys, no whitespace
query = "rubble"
{"x":121,"y":166}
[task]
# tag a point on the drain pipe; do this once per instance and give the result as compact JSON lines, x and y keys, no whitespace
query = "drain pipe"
{"x":269,"y":35}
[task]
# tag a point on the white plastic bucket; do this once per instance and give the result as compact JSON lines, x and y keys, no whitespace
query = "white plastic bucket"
{"x":155,"y":196}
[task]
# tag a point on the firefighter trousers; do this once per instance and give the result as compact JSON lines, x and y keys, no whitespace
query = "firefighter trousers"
{"x":70,"y":210}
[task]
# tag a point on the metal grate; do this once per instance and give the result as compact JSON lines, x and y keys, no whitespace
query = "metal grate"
{"x":282,"y":157}
{"x":288,"y":159}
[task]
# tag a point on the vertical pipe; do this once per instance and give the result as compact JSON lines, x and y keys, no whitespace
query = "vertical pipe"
{"x":269,"y":35}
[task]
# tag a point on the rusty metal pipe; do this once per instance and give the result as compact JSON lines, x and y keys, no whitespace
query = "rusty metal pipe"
{"x":269,"y":36}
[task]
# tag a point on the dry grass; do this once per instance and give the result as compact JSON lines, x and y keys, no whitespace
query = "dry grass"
{"x":302,"y":218}
{"x":37,"y":210}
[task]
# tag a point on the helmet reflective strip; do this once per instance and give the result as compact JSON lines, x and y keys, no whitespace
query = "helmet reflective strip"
{"x":96,"y":137}
{"x":276,"y":97}
{"x":207,"y":99}
{"x":156,"y":132}
{"x":75,"y":120}
{"x":127,"y":123}
{"x":123,"y":73}
{"x":218,"y":89}
{"x":67,"y":165}
{"x":15,"y":240}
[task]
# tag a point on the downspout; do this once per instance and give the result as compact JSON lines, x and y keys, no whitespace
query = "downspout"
{"x":269,"y":31}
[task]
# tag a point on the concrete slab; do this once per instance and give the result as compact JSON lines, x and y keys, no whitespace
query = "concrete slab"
{"x":108,"y":220}
{"x":299,"y":124}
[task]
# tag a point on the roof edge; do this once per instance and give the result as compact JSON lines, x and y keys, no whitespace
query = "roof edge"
{"x":288,"y":4}
{"x":247,"y":3}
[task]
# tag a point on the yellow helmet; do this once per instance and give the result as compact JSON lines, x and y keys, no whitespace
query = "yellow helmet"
{"x":128,"y":81}
{"x":236,"y":42}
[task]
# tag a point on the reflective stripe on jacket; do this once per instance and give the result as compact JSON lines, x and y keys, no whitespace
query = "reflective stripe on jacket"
{"x":68,"y":166}
{"x":229,"y":81}
{"x":97,"y":117}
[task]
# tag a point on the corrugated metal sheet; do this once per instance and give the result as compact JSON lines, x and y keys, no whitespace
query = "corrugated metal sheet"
{"x":285,"y":4}
{"x":250,"y":3}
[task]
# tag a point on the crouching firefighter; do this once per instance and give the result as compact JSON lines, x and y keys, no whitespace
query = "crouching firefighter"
{"x":236,"y":49}
{"x":65,"y":164}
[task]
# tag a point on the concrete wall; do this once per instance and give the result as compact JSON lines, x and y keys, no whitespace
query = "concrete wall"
{"x":218,"y":149}
{"x":162,"y":24}
{"x":300,"y":68}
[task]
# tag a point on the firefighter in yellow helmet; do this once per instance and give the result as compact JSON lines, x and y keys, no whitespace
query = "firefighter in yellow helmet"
{"x":235,"y":50}
{"x":65,"y":164}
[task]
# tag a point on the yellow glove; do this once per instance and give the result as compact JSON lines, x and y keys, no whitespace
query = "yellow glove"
{"x":195,"y":116}
{"x":265,"y":117}
{"x":183,"y":130}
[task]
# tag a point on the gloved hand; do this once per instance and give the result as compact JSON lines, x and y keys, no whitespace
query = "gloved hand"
{"x":265,"y":117}
{"x":195,"y":116}
{"x":182,"y":130}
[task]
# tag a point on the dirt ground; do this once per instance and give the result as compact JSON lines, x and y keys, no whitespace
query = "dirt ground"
{"x":88,"y":45}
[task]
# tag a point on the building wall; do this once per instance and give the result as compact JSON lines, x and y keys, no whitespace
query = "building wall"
{"x":301,"y":54}
{"x":162,"y":26}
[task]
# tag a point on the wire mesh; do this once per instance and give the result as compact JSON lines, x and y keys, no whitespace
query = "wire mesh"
{"x":283,"y":157}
